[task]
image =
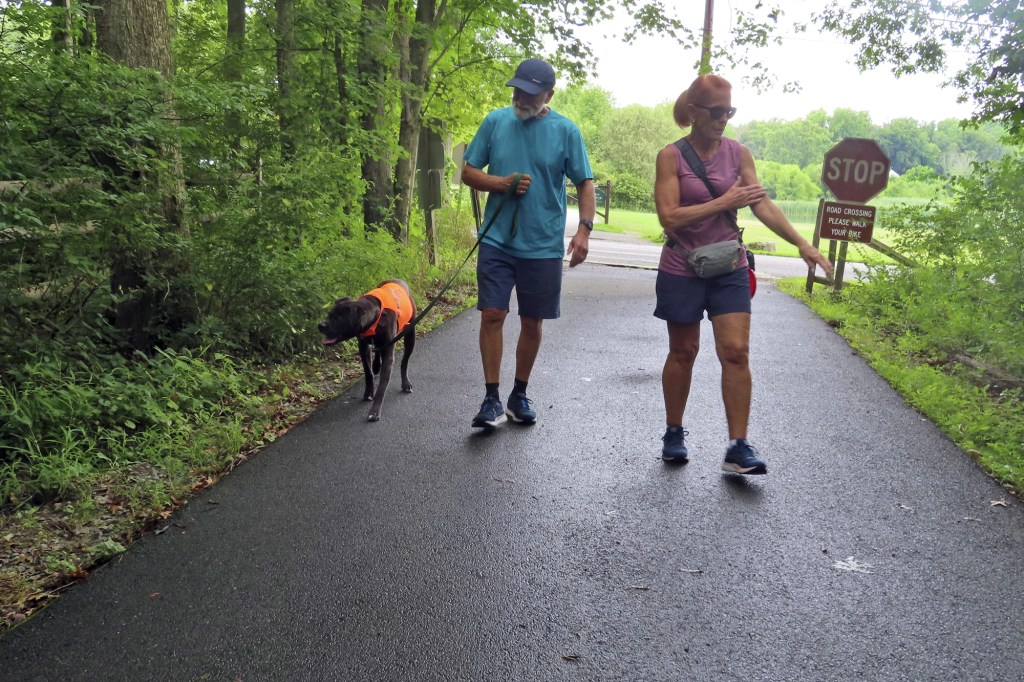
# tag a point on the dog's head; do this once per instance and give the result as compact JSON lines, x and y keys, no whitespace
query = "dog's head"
{"x":347,"y":318}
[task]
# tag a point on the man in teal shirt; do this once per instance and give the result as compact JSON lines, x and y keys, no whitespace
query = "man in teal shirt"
{"x":524,"y":247}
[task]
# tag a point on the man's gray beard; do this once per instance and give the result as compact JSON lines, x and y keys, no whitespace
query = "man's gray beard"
{"x":530,"y":112}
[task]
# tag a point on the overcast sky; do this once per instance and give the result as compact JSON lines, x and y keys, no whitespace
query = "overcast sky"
{"x":656,"y":70}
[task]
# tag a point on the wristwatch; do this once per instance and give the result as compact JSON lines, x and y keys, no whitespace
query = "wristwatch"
{"x":589,"y":224}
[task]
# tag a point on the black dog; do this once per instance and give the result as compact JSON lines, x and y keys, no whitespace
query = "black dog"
{"x":380,"y":317}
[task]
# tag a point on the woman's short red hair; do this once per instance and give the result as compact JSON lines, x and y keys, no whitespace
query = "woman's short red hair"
{"x":701,"y":88}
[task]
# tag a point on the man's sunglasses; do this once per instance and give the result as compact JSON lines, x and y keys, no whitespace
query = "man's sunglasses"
{"x":718,"y":112}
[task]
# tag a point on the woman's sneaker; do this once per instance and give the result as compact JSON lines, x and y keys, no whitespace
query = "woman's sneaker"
{"x":490,"y":414}
{"x":673,"y":450}
{"x":742,"y":459}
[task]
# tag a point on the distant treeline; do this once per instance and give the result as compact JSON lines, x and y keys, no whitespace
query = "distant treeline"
{"x":624,"y":141}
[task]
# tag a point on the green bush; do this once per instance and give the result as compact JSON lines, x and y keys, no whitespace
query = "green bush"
{"x":258,"y":256}
{"x":966,"y":291}
{"x":786,"y":181}
{"x":632,"y":193}
{"x":919,"y":182}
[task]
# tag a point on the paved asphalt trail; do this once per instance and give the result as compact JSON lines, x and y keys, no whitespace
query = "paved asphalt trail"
{"x":419,"y":549}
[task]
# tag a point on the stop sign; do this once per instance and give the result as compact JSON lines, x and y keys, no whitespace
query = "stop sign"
{"x":856,"y":169}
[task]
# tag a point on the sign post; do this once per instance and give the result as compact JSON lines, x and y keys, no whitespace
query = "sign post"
{"x":854,"y":171}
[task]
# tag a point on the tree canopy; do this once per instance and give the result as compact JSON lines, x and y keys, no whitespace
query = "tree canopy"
{"x":624,"y":141}
{"x":911,"y":37}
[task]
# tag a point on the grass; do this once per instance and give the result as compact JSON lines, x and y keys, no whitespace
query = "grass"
{"x":646,"y":226}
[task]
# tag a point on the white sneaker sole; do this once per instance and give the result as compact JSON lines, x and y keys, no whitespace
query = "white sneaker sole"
{"x":748,"y":471}
{"x":489,"y":424}
{"x":512,"y":416}
{"x":675,"y":459}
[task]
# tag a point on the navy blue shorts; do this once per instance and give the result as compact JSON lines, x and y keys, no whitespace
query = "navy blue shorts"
{"x":537,"y":281}
{"x":684,"y":299}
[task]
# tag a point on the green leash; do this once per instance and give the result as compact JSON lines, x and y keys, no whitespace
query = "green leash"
{"x":509,"y":193}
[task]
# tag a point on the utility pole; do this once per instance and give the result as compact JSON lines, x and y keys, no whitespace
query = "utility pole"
{"x":705,"y":51}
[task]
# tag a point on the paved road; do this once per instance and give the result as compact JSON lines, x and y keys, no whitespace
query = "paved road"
{"x":417,"y":549}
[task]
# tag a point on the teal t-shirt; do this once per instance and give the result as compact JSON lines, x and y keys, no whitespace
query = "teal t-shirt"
{"x":549,"y":150}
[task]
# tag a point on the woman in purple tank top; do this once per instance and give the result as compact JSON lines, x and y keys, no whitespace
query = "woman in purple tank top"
{"x":693,"y":216}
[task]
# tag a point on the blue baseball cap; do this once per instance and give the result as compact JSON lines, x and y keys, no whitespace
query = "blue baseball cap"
{"x":533,"y":76}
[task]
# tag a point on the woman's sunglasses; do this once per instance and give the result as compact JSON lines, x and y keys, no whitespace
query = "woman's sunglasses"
{"x":717,"y":112}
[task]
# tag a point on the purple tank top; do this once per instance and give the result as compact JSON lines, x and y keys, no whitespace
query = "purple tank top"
{"x":722,"y":169}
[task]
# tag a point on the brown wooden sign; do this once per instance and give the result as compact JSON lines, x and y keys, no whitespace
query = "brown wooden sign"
{"x":847,"y":222}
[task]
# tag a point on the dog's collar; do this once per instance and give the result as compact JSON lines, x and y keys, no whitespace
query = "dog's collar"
{"x":372,"y":329}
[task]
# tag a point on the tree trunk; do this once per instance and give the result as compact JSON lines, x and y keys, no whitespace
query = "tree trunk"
{"x":137,"y":34}
{"x":416,"y":74}
{"x":286,"y":75}
{"x":373,"y":72}
{"x":86,"y":39}
{"x":233,"y":69}
{"x":62,"y":27}
{"x":340,"y":74}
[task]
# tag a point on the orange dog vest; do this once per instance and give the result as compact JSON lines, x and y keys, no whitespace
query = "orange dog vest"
{"x":392,"y":296}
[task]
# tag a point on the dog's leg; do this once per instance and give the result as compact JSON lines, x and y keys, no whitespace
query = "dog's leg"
{"x":387,"y":363}
{"x":408,"y":345}
{"x":364,"y":356}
